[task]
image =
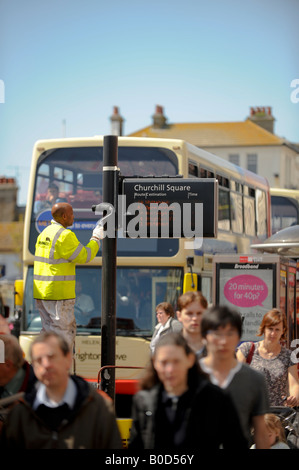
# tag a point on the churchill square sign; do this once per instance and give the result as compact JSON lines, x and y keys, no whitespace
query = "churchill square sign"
{"x":168,"y":207}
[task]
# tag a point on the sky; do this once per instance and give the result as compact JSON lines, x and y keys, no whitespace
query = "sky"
{"x":65,"y":64}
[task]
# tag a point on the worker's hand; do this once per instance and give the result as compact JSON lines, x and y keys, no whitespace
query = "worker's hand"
{"x":98,"y":233}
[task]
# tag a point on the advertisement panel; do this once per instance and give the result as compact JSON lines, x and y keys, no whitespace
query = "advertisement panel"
{"x":292,"y":327}
{"x":246,"y":283}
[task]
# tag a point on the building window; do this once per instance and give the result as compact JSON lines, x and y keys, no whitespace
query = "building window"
{"x":252,"y":162}
{"x":234,"y":158}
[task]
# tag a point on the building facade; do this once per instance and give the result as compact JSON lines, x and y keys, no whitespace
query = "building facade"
{"x":11,"y":230}
{"x":251,"y":144}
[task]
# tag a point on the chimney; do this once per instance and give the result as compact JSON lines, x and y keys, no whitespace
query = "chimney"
{"x":263,"y":117}
{"x":8,"y":199}
{"x":116,"y":122}
{"x":159,"y":120}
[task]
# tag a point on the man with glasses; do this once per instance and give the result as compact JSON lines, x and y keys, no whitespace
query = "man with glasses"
{"x":221,"y":328}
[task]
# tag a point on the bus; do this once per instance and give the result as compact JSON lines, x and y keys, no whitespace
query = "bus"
{"x":284,"y":207}
{"x":148,"y":270}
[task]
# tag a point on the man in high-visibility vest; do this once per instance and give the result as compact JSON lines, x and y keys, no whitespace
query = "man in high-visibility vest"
{"x":57,"y":251}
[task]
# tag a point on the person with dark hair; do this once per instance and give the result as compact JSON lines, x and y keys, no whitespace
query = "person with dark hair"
{"x":16,"y":374}
{"x":52,"y":198}
{"x":177,"y":406}
{"x":190,"y":308}
{"x":63,"y":411}
{"x":221,"y":328}
{"x":273,"y":360}
{"x":166,"y":322}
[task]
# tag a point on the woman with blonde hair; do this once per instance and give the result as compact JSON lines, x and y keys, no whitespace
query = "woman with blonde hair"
{"x":275,"y":432}
{"x":275,"y":361}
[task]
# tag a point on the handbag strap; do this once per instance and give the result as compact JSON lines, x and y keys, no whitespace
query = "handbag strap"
{"x":250,"y":354}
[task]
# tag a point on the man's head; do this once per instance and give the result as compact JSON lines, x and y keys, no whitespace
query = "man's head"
{"x":13,"y":357}
{"x":51,"y":359}
{"x":191,"y":307}
{"x":62,"y":212}
{"x":221,"y":327}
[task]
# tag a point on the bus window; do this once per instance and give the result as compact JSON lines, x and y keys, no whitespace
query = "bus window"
{"x":249,"y":211}
{"x":76,"y":184}
{"x":224,"y":209}
{"x":78,"y":173}
{"x":192,"y":169}
{"x":285,"y":212}
{"x":206,"y":288}
{"x":261,"y":213}
{"x":138,"y":292}
{"x":236,"y":212}
{"x":203,"y":173}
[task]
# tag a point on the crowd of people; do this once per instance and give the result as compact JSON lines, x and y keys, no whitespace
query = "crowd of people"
{"x":177,"y":405}
{"x":212,"y":335}
{"x":200,"y":390}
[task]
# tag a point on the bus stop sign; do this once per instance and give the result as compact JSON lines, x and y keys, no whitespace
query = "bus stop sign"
{"x":169,"y":207}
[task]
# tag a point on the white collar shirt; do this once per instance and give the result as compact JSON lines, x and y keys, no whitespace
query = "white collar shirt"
{"x":68,"y":398}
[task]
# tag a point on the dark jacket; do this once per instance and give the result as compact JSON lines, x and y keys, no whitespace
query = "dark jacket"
{"x":26,"y":387}
{"x":91,"y":424}
{"x":29,"y":380}
{"x":208,"y":420}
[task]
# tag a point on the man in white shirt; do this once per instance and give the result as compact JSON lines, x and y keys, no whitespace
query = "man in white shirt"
{"x":64,"y":412}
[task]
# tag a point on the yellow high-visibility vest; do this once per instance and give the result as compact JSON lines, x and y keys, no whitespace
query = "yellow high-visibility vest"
{"x":57,"y":251}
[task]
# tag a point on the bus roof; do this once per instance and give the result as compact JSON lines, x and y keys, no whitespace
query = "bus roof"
{"x":211,"y":159}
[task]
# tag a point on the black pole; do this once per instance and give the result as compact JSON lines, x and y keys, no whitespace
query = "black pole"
{"x":108,"y":321}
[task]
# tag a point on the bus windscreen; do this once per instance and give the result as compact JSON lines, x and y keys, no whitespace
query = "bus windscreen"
{"x":74,"y":175}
